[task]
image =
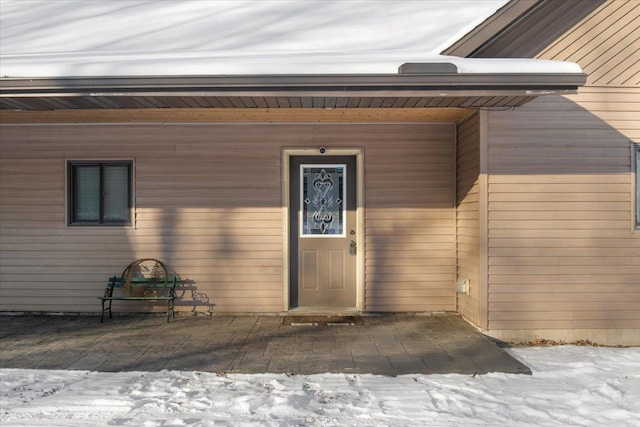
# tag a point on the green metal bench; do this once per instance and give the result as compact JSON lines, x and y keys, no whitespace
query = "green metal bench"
{"x":143,"y":280}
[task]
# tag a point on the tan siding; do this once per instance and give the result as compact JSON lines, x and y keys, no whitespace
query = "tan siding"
{"x":605,"y":44}
{"x":561,"y":251}
{"x":209,"y":204}
{"x":410,"y":259}
{"x":562,"y":254}
{"x":409,"y":220}
{"x":467,"y":215}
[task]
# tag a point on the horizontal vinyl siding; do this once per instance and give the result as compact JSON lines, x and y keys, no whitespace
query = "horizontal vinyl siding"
{"x":562,"y":254}
{"x":208,"y":203}
{"x":409,"y":215}
{"x":467,"y":215}
{"x":605,"y":44}
{"x":219,"y":227}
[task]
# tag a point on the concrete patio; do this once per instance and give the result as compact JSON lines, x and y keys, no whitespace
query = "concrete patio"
{"x":385,"y":344}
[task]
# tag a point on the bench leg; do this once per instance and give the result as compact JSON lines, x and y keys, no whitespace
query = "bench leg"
{"x":170,"y":310}
{"x":107,"y":308}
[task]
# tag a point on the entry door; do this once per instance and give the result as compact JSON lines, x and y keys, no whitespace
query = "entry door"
{"x":323,"y":232}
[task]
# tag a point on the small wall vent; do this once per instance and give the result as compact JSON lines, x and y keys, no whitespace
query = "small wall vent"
{"x":462,"y":286}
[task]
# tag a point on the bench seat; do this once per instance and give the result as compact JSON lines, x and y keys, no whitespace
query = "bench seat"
{"x":140,"y":289}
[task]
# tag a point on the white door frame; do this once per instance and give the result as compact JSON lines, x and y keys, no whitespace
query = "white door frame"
{"x":287,"y":153}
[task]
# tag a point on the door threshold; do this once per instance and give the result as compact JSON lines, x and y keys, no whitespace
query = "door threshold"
{"x":322,"y":311}
{"x":322,"y":320}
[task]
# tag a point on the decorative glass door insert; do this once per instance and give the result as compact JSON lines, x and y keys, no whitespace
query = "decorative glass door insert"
{"x":323,"y":196}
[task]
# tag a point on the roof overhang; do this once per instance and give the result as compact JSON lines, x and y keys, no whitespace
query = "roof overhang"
{"x":415,"y":86}
{"x":440,"y":82}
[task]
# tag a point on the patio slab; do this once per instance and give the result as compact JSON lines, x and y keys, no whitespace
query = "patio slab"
{"x":392,"y":344}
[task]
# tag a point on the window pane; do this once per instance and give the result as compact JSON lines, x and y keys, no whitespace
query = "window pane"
{"x":86,"y":193}
{"x":116,"y":193}
{"x":323,"y":198}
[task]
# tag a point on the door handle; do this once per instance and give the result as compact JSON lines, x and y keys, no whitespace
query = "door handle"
{"x":353,"y":247}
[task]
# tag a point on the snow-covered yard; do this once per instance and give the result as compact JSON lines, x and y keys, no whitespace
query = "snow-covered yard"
{"x":570,"y":385}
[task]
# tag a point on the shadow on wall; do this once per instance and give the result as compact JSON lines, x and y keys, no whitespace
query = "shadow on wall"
{"x":562,"y":253}
{"x":187,"y":295}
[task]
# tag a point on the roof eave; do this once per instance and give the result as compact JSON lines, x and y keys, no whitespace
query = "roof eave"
{"x":472,"y":84}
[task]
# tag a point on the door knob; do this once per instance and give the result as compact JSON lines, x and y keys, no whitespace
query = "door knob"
{"x":352,"y":247}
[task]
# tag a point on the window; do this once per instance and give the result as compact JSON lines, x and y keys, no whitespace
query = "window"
{"x":637,"y":187}
{"x":99,"y":192}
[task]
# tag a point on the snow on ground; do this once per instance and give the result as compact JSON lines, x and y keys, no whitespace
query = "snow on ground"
{"x":583,"y":386}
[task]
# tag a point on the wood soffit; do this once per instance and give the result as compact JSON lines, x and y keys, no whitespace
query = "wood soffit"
{"x":238,"y":115}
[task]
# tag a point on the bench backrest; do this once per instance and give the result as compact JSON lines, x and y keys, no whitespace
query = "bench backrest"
{"x":145,"y":282}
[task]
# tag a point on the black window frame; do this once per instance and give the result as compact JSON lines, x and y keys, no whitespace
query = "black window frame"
{"x":71,"y":191}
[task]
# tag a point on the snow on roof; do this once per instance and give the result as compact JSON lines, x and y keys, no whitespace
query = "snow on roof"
{"x":145,"y":38}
